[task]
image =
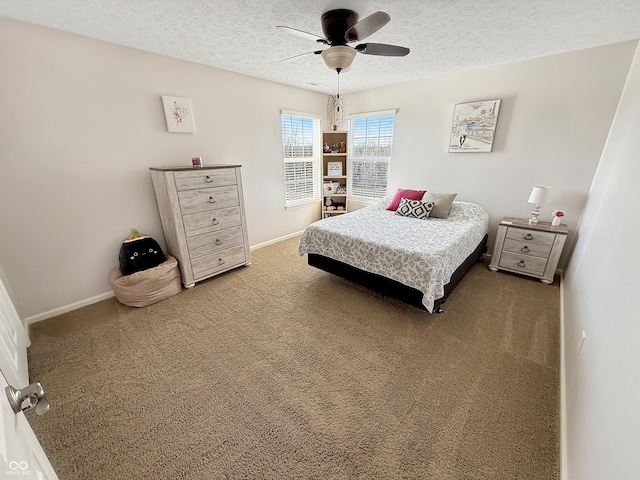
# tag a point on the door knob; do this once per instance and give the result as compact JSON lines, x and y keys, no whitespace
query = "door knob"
{"x":27,"y":398}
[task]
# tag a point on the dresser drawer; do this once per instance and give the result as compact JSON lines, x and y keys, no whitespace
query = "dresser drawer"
{"x":218,"y":261}
{"x":523,"y":247}
{"x":192,"y":179}
{"x":521,"y":263}
{"x":207,"y":199}
{"x":214,"y":242}
{"x":199,"y":223}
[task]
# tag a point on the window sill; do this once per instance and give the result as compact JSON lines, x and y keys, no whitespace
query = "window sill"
{"x":295,"y":206}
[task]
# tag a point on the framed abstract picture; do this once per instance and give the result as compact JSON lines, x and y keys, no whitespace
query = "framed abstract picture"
{"x":474,"y":126}
{"x":178,"y":114}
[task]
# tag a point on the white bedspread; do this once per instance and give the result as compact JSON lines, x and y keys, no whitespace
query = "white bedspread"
{"x":422,"y":254}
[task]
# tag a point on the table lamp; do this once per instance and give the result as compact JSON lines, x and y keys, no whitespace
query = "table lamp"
{"x":539,"y":196}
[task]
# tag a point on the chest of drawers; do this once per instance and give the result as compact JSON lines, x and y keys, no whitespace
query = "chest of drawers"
{"x":529,"y":249}
{"x":203,"y":218}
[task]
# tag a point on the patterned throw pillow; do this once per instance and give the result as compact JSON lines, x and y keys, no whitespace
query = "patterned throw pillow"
{"x":414,"y":208}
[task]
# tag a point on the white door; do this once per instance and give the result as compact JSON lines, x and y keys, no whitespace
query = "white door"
{"x":21,"y":455}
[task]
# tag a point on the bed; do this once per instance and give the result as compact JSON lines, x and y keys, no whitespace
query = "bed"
{"x":417,"y":261}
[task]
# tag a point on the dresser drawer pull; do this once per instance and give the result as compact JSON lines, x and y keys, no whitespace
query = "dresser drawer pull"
{"x":218,"y":241}
{"x":212,"y":200}
{"x":521,"y":264}
{"x":525,"y":249}
{"x":208,"y":179}
{"x":220,"y":261}
{"x":528,"y":236}
{"x":215,"y":221}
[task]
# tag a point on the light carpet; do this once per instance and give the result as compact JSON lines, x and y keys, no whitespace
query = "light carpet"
{"x":281,"y":371}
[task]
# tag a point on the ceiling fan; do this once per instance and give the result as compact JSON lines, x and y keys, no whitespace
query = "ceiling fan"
{"x":341,"y":27}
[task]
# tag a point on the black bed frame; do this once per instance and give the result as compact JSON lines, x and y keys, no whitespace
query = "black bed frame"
{"x":393,"y":288}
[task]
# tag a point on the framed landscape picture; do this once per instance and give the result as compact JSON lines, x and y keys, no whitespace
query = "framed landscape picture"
{"x":474,"y":126}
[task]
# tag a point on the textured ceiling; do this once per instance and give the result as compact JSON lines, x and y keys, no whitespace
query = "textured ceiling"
{"x":239,"y":35}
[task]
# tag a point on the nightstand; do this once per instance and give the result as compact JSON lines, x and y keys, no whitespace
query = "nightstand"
{"x":529,"y":249}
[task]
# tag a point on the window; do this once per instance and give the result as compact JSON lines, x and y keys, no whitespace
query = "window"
{"x":370,"y":154}
{"x":301,"y":154}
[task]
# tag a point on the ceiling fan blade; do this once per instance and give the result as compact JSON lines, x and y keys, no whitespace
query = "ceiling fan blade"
{"x":382,"y":49}
{"x":316,"y":52}
{"x":302,"y":33}
{"x":367,"y":26}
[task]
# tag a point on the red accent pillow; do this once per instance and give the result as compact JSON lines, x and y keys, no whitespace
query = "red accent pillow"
{"x":404,"y":193}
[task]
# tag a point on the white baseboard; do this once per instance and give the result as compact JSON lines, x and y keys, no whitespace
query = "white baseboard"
{"x":67,"y":308}
{"x":275,"y":240}
{"x":563,"y":394}
{"x":83,"y":303}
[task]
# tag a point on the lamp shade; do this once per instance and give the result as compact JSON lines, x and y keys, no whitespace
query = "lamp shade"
{"x":338,"y":57}
{"x":540,"y":195}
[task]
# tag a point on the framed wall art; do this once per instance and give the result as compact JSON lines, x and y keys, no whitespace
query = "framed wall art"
{"x":334,"y":168}
{"x":474,"y":126}
{"x":178,"y":114}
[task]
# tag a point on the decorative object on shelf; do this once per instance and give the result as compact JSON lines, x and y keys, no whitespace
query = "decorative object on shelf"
{"x":325,"y":148}
{"x":333,"y":148}
{"x":334,"y":168}
{"x":474,"y":126}
{"x":341,"y":189}
{"x":178,"y":114}
{"x":342,"y":148}
{"x":336,"y":111}
{"x":539,"y":196}
{"x":196,"y":161}
{"x":557,"y":218}
{"x":328,"y":188}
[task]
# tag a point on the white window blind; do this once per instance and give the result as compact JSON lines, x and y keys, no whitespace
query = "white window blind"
{"x":301,"y":154}
{"x":371,"y":138}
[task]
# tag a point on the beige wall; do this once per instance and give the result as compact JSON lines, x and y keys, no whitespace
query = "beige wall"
{"x":82,"y":121}
{"x":601,"y":288}
{"x":553,"y":122}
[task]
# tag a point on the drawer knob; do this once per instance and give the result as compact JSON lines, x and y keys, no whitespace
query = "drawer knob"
{"x":521,"y":264}
{"x":220,"y":261}
{"x":212,"y":200}
{"x":525,"y":249}
{"x":215,"y":221}
{"x":528,"y":236}
{"x":208,"y":179}
{"x":218,"y":241}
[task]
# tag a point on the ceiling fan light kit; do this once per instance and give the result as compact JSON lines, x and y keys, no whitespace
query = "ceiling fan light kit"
{"x":338,"y":57}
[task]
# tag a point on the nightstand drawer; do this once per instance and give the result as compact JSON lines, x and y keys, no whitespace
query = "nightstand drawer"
{"x":532,"y":237}
{"x":522,"y":247}
{"x":524,"y":264}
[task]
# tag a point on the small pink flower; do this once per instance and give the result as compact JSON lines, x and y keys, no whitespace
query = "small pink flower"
{"x":558,"y":213}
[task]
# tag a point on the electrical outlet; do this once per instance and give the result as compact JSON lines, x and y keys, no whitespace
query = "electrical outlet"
{"x":583,"y":335}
